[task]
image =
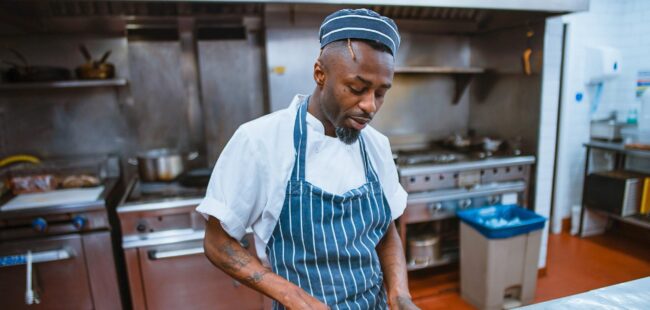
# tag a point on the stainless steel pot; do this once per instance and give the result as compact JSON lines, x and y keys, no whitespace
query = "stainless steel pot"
{"x":424,"y":250}
{"x":162,"y":164}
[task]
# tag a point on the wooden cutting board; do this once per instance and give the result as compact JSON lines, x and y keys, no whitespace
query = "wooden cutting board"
{"x":53,"y":198}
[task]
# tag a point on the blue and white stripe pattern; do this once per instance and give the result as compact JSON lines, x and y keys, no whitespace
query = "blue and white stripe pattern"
{"x":325,"y":243}
{"x":360,"y":24}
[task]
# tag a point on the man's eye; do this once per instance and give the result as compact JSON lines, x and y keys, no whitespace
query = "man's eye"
{"x":356,"y":91}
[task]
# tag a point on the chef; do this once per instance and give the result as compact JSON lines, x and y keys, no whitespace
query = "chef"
{"x":316,"y":185}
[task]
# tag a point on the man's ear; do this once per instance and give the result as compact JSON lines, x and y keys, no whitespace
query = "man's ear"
{"x":319,"y":73}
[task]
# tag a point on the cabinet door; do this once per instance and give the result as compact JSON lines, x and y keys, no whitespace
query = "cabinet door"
{"x":181,"y":277}
{"x":59,"y":274}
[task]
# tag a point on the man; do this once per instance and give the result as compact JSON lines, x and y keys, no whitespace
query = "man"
{"x":316,"y":185}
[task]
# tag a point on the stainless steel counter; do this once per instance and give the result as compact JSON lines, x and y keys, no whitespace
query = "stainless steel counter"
{"x":97,"y":205}
{"x":491,"y":162}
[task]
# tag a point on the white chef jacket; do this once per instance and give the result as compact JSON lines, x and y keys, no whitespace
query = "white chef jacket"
{"x":247,"y":187}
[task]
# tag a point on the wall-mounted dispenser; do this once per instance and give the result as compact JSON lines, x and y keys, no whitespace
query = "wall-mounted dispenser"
{"x":602,"y":63}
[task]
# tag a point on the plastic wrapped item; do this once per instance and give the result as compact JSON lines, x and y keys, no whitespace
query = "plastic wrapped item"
{"x":76,"y":181}
{"x":629,"y":295}
{"x":54,"y":173}
{"x":33,"y":183}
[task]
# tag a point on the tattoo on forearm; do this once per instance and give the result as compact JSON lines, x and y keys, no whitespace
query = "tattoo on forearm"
{"x":235,"y":259}
{"x":256,"y":277}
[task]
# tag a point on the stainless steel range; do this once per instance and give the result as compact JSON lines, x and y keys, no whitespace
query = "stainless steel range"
{"x":59,"y":255}
{"x":440,"y":182}
{"x":163,"y":248}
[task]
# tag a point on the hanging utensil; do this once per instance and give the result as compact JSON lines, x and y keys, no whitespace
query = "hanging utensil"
{"x":105,"y":57}
{"x":31,"y":296}
{"x":525,"y":57}
{"x":85,"y":53}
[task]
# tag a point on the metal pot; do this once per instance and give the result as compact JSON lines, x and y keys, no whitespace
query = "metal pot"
{"x":424,"y":250}
{"x":161,"y":164}
{"x":491,"y":145}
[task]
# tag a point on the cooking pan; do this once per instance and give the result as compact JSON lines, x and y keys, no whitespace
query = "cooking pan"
{"x":24,"y":72}
{"x":93,"y":69}
{"x":161,"y":165}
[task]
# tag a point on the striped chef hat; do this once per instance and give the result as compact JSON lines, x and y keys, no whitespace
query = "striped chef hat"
{"x":359,"y":24}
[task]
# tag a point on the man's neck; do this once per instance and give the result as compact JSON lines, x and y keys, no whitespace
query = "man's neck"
{"x":315,"y":109}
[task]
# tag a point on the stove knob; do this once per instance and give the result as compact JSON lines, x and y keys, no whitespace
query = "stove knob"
{"x":79,"y":222}
{"x":435,"y":207}
{"x":39,"y":224}
{"x":465,"y":203}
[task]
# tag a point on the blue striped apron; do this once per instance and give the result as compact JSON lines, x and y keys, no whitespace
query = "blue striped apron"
{"x":325,"y":243}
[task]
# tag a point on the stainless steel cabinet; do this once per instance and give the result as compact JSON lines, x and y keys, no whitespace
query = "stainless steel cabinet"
{"x":179,"y":276}
{"x":59,"y":272}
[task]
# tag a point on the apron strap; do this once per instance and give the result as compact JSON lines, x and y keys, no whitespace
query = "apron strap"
{"x":300,"y":141}
{"x":371,"y":176}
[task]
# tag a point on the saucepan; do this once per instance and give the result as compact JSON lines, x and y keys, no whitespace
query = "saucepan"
{"x":163,"y":164}
{"x":424,"y":249}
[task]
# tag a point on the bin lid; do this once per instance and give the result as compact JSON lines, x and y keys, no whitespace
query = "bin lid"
{"x":502,"y":221}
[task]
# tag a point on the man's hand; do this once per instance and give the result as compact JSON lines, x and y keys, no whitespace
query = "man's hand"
{"x":393,"y":263}
{"x":299,"y":299}
{"x":402,"y":303}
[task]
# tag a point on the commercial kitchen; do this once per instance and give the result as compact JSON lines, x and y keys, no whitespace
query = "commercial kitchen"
{"x":520,"y":131}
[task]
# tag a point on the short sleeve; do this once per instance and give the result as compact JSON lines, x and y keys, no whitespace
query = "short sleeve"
{"x":235,"y":195}
{"x":393,"y":190}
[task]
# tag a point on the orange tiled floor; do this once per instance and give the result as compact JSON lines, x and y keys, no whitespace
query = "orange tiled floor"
{"x":574,"y":265}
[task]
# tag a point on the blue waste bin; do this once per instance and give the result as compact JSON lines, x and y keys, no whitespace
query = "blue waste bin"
{"x":499,"y":254}
{"x":503,"y":221}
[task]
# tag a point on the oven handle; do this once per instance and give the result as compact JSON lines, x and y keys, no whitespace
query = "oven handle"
{"x":155,"y":254}
{"x":37,"y":257}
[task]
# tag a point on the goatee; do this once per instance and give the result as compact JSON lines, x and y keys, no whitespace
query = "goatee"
{"x":347,"y":135}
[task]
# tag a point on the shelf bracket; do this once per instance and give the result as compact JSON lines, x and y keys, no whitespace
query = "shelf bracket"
{"x":123,"y":95}
{"x":461,"y":83}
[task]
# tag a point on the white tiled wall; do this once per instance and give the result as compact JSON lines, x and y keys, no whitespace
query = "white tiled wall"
{"x":624,"y":25}
{"x":548,"y":123}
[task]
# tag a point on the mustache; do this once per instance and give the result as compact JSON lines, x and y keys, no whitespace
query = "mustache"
{"x":366,"y":116}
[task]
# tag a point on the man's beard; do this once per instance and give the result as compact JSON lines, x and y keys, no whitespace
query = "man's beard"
{"x":347,"y":135}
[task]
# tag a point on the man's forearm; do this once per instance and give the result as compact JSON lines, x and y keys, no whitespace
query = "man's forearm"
{"x":228,"y":255}
{"x":393,"y":264}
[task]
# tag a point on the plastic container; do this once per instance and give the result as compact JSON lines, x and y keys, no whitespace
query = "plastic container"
{"x":635,"y":135}
{"x":498,"y":222}
{"x":499,"y":254}
{"x":644,"y":116}
{"x":575,"y":219}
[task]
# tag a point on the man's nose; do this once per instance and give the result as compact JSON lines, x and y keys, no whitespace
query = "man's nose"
{"x":369,"y":104}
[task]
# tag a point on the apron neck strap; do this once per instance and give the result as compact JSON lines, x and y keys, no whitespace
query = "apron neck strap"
{"x":300,"y":146}
{"x":300,"y":141}
{"x":371,"y":176}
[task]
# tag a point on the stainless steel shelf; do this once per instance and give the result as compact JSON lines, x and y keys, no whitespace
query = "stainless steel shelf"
{"x":439,"y":70}
{"x":488,"y":163}
{"x":637,"y":219}
{"x":617,"y":148}
{"x":446,"y":259}
{"x":64,"y":84}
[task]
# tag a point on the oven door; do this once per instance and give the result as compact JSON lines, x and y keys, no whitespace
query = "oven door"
{"x":179,"y":276}
{"x":59,"y":277}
